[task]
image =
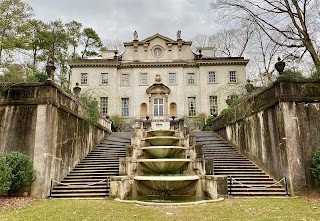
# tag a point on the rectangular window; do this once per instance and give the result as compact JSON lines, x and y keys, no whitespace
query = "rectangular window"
{"x":104,"y":78}
{"x":191,"y":79}
{"x":125,"y":107}
{"x":125,"y":79}
{"x":212,"y":77}
{"x":172,"y":78}
{"x":158,"y":107}
{"x":232,"y":77}
{"x":213,"y":105}
{"x":104,"y":105}
{"x":84,"y":78}
{"x":143,"y":79}
{"x":192,"y":106}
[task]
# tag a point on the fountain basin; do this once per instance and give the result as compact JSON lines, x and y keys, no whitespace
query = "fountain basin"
{"x":166,"y":183}
{"x":163,"y":151}
{"x":162,"y":140}
{"x":161,"y":132}
{"x":164,"y":165}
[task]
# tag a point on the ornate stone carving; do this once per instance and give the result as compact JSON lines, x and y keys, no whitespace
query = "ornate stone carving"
{"x":158,"y":78}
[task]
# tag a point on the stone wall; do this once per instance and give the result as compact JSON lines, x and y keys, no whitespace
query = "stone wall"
{"x":278,"y":128}
{"x":45,"y":123}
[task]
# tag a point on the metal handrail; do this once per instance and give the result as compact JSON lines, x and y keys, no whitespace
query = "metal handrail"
{"x":284,"y":179}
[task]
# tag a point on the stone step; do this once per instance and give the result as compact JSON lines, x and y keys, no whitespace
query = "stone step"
{"x":235,"y":167}
{"x":80,"y":187}
{"x":87,"y":190}
{"x":80,"y":195}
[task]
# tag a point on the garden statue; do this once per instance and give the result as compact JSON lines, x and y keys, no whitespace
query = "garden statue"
{"x":179,"y":35}
{"x":135,"y":36}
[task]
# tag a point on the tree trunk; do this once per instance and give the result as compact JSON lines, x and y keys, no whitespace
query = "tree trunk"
{"x":34,"y":59}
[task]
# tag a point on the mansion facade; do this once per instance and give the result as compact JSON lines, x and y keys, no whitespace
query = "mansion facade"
{"x":159,"y":77}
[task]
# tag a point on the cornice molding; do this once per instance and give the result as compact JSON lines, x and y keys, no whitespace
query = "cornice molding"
{"x":193,"y":63}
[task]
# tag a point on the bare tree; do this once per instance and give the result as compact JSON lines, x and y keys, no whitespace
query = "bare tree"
{"x":114,"y":45}
{"x":288,"y":19}
{"x":231,"y":42}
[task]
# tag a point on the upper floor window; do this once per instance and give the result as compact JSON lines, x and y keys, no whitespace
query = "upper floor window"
{"x":192,"y":109}
{"x":125,"y":107}
{"x":191,"y":80}
{"x":213,"y":105}
{"x":104,"y":105}
{"x":84,"y":78}
{"x":232,"y":77}
{"x":212,"y":77}
{"x":104,"y":78}
{"x":143,"y":79}
{"x":125,"y":80}
{"x":172,"y":78}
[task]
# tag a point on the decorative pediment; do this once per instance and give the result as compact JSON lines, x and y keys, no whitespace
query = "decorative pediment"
{"x":158,"y":88}
{"x":157,"y":36}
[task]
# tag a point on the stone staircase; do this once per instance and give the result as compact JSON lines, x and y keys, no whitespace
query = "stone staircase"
{"x":88,"y":178}
{"x":247,"y":178}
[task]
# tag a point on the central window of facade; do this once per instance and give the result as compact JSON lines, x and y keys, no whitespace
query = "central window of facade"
{"x":158,"y":107}
{"x":157,"y":52}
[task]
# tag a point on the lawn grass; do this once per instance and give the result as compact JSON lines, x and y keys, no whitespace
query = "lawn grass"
{"x":229,"y":209}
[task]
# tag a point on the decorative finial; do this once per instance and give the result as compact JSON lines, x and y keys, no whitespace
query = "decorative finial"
{"x":50,"y":68}
{"x":280,"y":66}
{"x":179,"y":35}
{"x":77,"y":89}
{"x":135,"y":36}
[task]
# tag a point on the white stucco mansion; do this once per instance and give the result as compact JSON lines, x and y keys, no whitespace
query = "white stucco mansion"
{"x":159,"y":77}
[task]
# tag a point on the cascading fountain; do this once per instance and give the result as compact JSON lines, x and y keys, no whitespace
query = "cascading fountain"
{"x":166,"y":165}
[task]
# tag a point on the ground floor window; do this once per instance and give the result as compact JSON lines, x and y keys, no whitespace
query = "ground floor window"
{"x":192,"y":110}
{"x":125,"y":107}
{"x":104,"y":105}
{"x":213,"y":105}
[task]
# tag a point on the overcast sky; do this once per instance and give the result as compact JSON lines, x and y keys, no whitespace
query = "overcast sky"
{"x":118,"y":19}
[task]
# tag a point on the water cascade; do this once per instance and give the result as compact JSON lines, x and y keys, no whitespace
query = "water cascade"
{"x":166,"y":164}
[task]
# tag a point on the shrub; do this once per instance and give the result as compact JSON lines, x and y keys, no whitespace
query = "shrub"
{"x":118,"y":123}
{"x":5,"y":181}
{"x":208,"y":124}
{"x":91,"y":109}
{"x":315,"y":169}
{"x":199,"y":120}
{"x":292,"y":74}
{"x":22,"y":173}
{"x":41,"y":76}
{"x":315,"y":74}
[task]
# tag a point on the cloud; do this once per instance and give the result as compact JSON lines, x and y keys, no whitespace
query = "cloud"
{"x":118,"y":19}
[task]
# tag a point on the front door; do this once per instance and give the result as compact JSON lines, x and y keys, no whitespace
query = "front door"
{"x":158,"y":107}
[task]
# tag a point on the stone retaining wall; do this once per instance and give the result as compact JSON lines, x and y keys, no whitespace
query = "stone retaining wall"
{"x":278,"y":128}
{"x":45,"y":123}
